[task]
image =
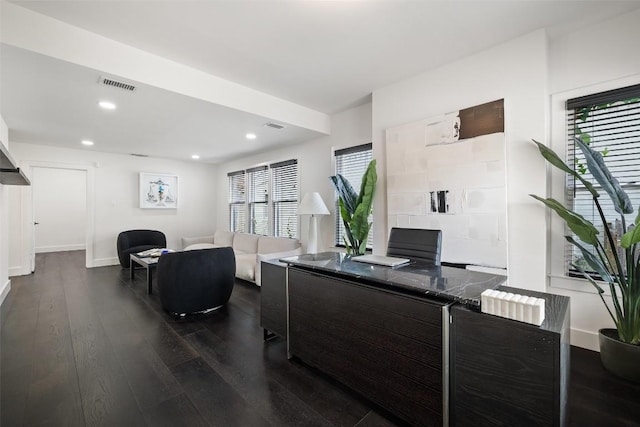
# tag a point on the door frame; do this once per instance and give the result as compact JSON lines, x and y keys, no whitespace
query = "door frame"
{"x":28,"y":230}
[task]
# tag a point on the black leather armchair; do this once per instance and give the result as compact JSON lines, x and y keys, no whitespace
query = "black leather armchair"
{"x":196,"y":281}
{"x":133,"y":241}
{"x":416,"y":244}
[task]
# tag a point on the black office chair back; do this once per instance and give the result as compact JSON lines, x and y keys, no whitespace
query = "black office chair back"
{"x":417,"y":244}
{"x":195,"y":281}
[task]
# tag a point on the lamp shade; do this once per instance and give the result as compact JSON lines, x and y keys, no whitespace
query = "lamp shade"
{"x":312,"y":204}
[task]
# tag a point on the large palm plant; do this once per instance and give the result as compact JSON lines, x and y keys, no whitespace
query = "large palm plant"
{"x":623,"y":278}
{"x":355,"y":208}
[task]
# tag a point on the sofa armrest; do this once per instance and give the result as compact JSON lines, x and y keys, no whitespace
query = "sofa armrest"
{"x":264,"y":257}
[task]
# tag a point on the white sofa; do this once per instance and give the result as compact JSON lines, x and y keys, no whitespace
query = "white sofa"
{"x":249,"y":249}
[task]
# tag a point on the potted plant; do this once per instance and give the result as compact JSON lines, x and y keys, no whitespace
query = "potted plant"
{"x":355,"y":208}
{"x":620,"y":347}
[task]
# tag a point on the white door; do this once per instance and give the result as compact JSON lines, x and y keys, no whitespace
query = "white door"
{"x":59,"y":209}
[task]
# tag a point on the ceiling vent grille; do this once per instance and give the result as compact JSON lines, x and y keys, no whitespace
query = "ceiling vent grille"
{"x":273,"y":125}
{"x":115,"y":83}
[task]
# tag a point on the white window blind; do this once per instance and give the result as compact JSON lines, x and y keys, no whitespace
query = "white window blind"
{"x":237,"y":211}
{"x":351,"y":163}
{"x":251,"y":210}
{"x":284,"y":185}
{"x":258,"y":200}
{"x":610,"y":123}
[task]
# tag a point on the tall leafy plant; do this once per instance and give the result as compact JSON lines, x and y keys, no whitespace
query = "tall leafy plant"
{"x":355,"y":208}
{"x":623,"y":279}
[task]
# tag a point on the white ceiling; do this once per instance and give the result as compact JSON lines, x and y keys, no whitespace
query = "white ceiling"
{"x":324,"y":55}
{"x":52,"y":102}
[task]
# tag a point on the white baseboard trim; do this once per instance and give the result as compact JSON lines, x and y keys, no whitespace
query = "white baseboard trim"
{"x":5,"y":291}
{"x":60,"y":248}
{"x":585,"y":339}
{"x":105,"y":262}
{"x":19,"y":271}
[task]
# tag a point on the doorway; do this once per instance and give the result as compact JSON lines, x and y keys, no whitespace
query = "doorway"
{"x":59,"y":209}
{"x":61,"y":202}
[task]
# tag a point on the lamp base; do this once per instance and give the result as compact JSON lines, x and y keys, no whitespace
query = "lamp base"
{"x":312,"y":244}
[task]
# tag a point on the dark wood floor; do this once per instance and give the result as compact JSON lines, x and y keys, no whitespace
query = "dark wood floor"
{"x":88,"y":347}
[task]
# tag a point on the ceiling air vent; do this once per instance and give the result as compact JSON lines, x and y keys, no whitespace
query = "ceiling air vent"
{"x":274,"y":125}
{"x":139,"y":155}
{"x":115,"y":83}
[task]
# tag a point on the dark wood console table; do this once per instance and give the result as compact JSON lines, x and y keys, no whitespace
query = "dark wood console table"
{"x":273,"y":299}
{"x":412,"y":340}
{"x":510,"y":373}
{"x":385,"y":345}
{"x":382,"y":331}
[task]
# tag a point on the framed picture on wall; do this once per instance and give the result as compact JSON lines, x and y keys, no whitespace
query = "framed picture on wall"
{"x":158,"y":191}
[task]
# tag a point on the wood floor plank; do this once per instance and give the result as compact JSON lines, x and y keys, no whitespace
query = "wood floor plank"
{"x":53,"y":385}
{"x":149,"y":377}
{"x":107,"y":398}
{"x":214,"y":398}
{"x":12,"y":409}
{"x":18,"y":338}
{"x":374,"y":419}
{"x":248,"y":374}
{"x":175,"y":412}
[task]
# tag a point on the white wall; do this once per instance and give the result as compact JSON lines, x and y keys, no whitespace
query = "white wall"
{"x":515,"y":71}
{"x":60,"y":208}
{"x":5,"y":284}
{"x":572,"y":68}
{"x":599,"y":53}
{"x":115,"y":190}
{"x":315,"y":165}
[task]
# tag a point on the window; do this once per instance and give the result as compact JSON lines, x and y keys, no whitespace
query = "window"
{"x":610,"y":123}
{"x":284,"y":184}
{"x":258,"y":200}
{"x":237,"y":211}
{"x":264,"y":200}
{"x":351,"y":163}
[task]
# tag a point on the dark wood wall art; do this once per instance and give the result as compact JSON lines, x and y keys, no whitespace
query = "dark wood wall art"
{"x":482,"y":119}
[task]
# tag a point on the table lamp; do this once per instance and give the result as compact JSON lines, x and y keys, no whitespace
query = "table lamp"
{"x":312,"y":204}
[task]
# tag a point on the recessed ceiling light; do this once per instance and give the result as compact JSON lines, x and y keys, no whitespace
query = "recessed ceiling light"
{"x":251,"y":136}
{"x":107,"y":105}
{"x":195,"y":157}
{"x":87,"y":142}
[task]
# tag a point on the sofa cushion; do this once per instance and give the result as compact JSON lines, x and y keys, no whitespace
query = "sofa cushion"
{"x":268,"y":244}
{"x":188,"y":241}
{"x":245,"y":266}
{"x":196,"y":246}
{"x":223,"y":238}
{"x":272,"y":255}
{"x":245,"y":242}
